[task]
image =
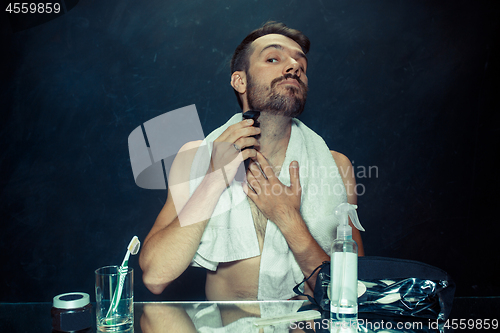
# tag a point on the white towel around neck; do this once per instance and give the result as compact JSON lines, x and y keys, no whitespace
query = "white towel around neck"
{"x":230,"y":234}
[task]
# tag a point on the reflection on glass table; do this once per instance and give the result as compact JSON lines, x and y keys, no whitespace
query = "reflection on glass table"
{"x":218,"y":317}
{"x":256,"y":317}
{"x":240,"y":317}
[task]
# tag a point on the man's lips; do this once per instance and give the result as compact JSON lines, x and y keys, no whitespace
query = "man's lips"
{"x":292,"y":82}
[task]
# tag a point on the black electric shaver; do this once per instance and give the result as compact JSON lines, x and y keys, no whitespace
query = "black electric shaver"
{"x":250,"y":114}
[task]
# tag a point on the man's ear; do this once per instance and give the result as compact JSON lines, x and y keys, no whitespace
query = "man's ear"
{"x":239,"y":81}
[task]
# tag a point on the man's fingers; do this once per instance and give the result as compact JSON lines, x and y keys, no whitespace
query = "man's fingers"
{"x":242,"y":129}
{"x":258,"y":171}
{"x":248,"y":189}
{"x":264,"y":166}
{"x":294,"y":174}
{"x":249,"y":153}
{"x":247,"y":141}
{"x":253,"y":183}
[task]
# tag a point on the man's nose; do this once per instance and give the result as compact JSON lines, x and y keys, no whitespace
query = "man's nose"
{"x":292,"y":67}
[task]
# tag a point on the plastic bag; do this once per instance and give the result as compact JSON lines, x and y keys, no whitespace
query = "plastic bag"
{"x":427,"y":294}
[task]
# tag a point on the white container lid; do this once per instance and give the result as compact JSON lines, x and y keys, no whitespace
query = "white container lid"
{"x":73,"y":300}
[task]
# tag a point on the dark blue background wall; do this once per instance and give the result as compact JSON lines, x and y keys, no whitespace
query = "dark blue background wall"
{"x":409,"y":88}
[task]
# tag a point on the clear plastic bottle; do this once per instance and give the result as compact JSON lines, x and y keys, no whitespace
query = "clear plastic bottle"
{"x":344,"y":273}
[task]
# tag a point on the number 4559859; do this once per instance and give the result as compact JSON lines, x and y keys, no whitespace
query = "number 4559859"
{"x":32,"y":8}
{"x":471,"y":324}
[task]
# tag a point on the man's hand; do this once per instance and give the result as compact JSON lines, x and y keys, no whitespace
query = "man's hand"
{"x":281,"y":204}
{"x":278,"y":202}
{"x":228,"y":150}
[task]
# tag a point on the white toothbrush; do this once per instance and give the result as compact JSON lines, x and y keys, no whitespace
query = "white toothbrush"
{"x":132,"y":248}
{"x":288,"y":318}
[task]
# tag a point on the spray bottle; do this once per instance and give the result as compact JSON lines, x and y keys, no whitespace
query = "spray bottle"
{"x":344,"y":272}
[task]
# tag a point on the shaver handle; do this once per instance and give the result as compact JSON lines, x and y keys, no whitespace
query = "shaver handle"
{"x":250,"y":114}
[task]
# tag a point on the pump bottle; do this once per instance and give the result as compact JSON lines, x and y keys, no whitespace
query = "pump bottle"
{"x":344,"y":272}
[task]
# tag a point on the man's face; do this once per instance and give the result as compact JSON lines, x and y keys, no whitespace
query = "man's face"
{"x":276,"y":79}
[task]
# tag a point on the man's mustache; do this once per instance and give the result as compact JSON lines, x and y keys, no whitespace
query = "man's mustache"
{"x":288,"y":76}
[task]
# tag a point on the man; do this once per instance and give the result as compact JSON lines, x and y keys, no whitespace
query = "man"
{"x":263,"y":259}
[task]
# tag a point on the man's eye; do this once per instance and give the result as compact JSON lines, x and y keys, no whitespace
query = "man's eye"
{"x":272,"y":60}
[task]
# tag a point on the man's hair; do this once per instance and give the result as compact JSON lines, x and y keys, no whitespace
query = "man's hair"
{"x":241,"y":57}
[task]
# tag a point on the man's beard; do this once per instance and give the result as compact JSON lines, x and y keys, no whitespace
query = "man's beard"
{"x":268,"y":99}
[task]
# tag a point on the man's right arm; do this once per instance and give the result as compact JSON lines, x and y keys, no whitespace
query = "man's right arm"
{"x":171,"y":245}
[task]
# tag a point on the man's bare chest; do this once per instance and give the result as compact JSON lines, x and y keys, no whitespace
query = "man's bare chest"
{"x":259,"y":219}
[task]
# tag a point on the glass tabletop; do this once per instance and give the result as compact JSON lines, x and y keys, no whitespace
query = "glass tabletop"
{"x":243,"y":317}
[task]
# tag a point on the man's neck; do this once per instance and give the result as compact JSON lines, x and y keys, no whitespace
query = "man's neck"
{"x":274,"y":137}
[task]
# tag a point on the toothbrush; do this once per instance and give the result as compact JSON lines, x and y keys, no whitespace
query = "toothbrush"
{"x":288,"y":318}
{"x":133,"y":248}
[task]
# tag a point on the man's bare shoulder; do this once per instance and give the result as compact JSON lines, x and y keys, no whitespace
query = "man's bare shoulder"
{"x":347,"y":173}
{"x":341,"y":160}
{"x":187,"y":151}
{"x":190,"y":145}
{"x":181,"y":165}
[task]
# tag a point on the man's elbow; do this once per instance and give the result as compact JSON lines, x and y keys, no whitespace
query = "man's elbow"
{"x":155,"y":282}
{"x":156,"y":289}
{"x":154,"y":285}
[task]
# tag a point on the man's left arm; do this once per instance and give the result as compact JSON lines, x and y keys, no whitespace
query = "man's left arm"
{"x":346,"y":171}
{"x":281,"y":204}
